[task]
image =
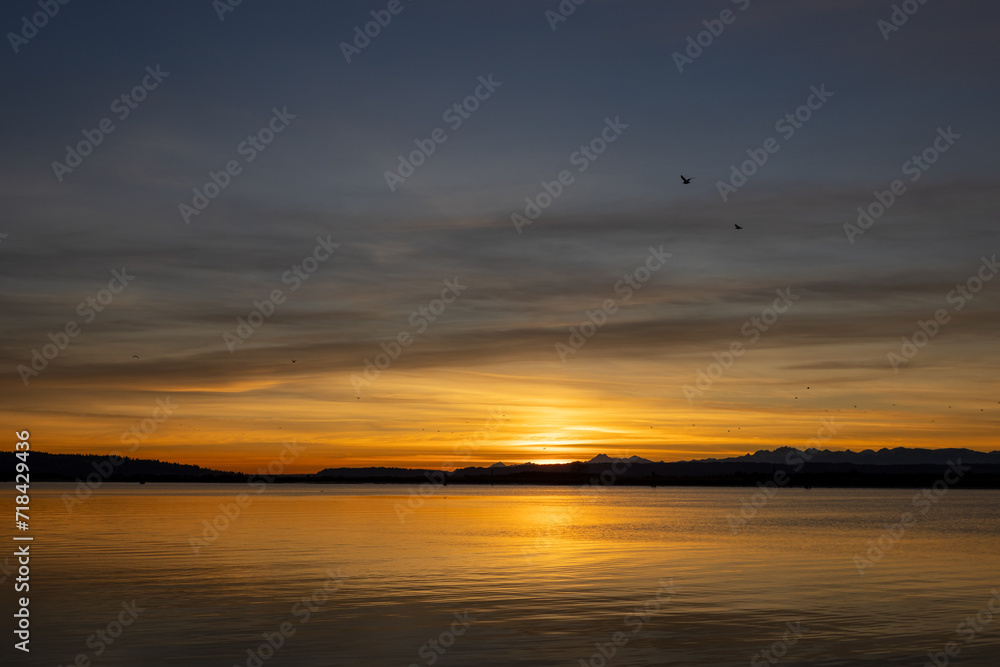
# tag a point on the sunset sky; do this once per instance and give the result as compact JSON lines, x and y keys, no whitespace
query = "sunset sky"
{"x":608,"y":68}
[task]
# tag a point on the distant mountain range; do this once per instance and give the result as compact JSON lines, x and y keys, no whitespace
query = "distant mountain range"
{"x":885,"y":467}
{"x":900,"y":466}
{"x":895,"y":456}
{"x":900,"y":456}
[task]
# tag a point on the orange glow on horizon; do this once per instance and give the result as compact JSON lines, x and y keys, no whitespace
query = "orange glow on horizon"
{"x":446,"y":419}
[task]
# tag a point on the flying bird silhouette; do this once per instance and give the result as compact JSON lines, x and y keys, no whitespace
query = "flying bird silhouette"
{"x":686,"y":181}
{"x":294,"y":360}
{"x":738,"y":227}
{"x":135,"y":356}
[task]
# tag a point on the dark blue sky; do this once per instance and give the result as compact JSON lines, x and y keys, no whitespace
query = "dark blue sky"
{"x":608,"y":58}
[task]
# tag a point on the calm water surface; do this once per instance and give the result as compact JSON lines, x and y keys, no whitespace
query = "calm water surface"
{"x":542,"y":575}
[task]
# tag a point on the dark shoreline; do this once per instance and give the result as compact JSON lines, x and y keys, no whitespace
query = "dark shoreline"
{"x":802,"y":480}
{"x":953,"y":471}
